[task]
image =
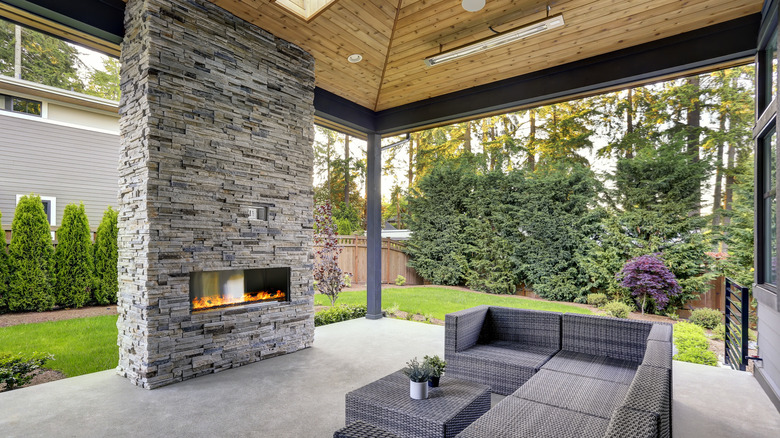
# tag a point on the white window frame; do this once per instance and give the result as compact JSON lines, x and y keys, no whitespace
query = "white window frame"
{"x":52,"y":201}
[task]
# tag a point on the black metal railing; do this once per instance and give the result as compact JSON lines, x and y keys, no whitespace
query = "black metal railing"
{"x":737,"y":317}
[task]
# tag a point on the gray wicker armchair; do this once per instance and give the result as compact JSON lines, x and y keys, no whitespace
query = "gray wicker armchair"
{"x":498,"y":346}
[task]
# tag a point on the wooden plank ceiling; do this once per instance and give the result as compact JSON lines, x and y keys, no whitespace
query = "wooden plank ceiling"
{"x":395,"y":36}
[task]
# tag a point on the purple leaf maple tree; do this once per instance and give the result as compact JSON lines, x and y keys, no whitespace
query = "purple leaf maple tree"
{"x":648,"y":277}
{"x":327,"y":273}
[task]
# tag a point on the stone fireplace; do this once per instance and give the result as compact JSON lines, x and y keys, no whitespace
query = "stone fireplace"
{"x":215,"y":193}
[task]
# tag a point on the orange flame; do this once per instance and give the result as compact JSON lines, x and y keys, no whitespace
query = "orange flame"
{"x":249,"y":297}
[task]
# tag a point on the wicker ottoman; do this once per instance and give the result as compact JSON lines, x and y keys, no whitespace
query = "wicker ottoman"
{"x":386,"y":404}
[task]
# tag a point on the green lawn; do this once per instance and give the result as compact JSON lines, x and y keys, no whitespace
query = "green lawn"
{"x":80,"y":346}
{"x":438,"y":301}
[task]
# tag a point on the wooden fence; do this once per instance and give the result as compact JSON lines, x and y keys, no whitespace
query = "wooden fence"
{"x":394,"y":261}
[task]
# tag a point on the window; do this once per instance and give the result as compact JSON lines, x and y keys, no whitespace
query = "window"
{"x":49,"y":207}
{"x":768,"y":207}
{"x":769,"y":71}
{"x":20,"y":105}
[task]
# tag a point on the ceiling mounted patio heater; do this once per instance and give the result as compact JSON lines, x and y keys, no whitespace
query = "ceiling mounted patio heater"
{"x":498,"y":40}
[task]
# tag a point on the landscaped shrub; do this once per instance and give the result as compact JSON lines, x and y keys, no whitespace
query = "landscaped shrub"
{"x":343,"y":312}
{"x":344,"y":227}
{"x":400,"y":280}
{"x":692,"y":344}
{"x":705,"y":317}
{"x":648,"y":277}
{"x":327,"y":273}
{"x":617,"y":309}
{"x":75,"y":277}
{"x":597,"y":300}
{"x":719,"y":332}
{"x":3,"y":268}
{"x":31,"y":258}
{"x":17,"y":370}
{"x":106,"y":258}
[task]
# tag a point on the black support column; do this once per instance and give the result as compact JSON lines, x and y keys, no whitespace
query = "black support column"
{"x":374,"y":226}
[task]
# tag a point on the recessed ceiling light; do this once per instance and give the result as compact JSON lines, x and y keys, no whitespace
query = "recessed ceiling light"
{"x":355,"y":58}
{"x":473,"y":5}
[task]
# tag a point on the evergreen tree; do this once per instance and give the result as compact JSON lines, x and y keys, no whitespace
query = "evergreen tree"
{"x":106,"y":258}
{"x":7,"y":41}
{"x":49,"y":61}
{"x":655,"y":193}
{"x":3,"y":268}
{"x":31,"y":256}
{"x":554,"y":213}
{"x":104,"y":83}
{"x":73,"y":263}
{"x":438,"y":217}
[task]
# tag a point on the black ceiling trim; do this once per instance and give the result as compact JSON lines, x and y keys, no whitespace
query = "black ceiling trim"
{"x":724,"y":42}
{"x":343,"y":112}
{"x":100,"y":18}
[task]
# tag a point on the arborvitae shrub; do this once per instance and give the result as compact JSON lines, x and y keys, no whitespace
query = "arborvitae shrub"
{"x":3,"y":268}
{"x":31,"y":258}
{"x":73,"y":258}
{"x":106,"y":258}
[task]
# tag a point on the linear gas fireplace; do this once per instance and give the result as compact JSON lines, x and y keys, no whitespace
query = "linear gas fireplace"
{"x":236,"y":287}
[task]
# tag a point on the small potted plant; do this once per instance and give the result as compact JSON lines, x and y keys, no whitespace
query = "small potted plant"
{"x":437,"y":366}
{"x":418,"y":374}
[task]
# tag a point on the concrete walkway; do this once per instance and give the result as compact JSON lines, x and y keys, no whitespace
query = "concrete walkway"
{"x":302,"y":394}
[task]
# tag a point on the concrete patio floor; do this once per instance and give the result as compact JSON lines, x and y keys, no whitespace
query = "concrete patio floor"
{"x":302,"y":394}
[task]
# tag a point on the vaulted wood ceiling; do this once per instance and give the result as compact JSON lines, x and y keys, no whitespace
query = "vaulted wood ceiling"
{"x":395,"y":36}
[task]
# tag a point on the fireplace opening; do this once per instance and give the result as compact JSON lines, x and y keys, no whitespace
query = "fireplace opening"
{"x":217,"y":289}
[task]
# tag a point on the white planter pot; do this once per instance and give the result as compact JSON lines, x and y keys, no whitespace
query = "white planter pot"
{"x":418,"y":390}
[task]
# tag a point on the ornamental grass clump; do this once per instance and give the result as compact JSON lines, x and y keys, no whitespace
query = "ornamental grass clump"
{"x":647,"y":277}
{"x":327,"y":273}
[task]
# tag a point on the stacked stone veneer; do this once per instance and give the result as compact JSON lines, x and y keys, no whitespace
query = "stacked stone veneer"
{"x":216,"y":117}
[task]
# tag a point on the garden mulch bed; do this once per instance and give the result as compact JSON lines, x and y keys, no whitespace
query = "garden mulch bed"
{"x":10,"y":319}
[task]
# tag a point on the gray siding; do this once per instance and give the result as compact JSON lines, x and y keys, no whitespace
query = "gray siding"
{"x":70,"y":164}
{"x":769,"y":342}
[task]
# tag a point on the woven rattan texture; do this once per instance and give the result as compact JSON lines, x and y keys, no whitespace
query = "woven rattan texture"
{"x":649,"y":392}
{"x":604,"y":336}
{"x":501,"y":365}
{"x":658,"y":354}
{"x":386,"y":404}
{"x":627,"y":422}
{"x":359,"y":429}
{"x":462,"y":329}
{"x":526,"y":327}
{"x":518,"y":418}
{"x":660,"y":332}
{"x":597,"y":367}
{"x":576,"y":393}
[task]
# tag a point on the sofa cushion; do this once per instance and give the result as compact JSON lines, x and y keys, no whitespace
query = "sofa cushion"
{"x":627,"y":422}
{"x":649,"y":392}
{"x":603,"y":336}
{"x":575,"y":393}
{"x":660,"y":332}
{"x":516,"y":417}
{"x":589,"y":365}
{"x":503,"y":366}
{"x":530,"y":328}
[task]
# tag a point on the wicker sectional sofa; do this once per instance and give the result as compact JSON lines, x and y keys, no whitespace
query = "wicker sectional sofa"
{"x":565,"y":375}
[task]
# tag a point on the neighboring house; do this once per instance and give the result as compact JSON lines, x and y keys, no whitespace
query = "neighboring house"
{"x":61,"y":145}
